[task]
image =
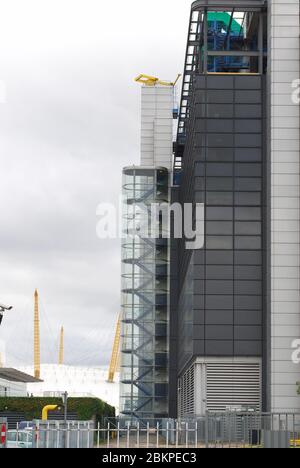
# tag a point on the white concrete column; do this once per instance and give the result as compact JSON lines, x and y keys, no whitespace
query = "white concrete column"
{"x":157,"y":126}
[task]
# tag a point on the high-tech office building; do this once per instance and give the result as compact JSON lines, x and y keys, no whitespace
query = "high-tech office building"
{"x":223,"y":320}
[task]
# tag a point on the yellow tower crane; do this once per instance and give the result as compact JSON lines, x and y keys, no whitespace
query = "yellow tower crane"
{"x":149,"y":80}
{"x":115,"y":356}
{"x":37,"y":348}
{"x":61,"y":354}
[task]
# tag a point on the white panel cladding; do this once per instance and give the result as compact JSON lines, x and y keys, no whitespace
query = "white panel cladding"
{"x":157,"y":126}
{"x":284,"y":68}
{"x":221,"y":384}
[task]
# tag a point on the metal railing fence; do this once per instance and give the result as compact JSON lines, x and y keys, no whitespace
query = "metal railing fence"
{"x":223,"y":430}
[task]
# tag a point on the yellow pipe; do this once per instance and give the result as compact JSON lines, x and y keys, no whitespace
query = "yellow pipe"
{"x":46,"y":410}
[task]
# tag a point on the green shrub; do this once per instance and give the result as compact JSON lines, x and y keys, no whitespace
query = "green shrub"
{"x":85,"y":408}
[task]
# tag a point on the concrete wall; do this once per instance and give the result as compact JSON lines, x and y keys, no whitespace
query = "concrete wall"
{"x":285,"y":192}
{"x":157,"y":126}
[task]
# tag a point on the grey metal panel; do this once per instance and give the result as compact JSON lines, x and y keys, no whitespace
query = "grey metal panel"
{"x":219,"y":348}
{"x":219,"y":332}
{"x":246,"y":348}
{"x":248,"y":317}
{"x":220,"y":317}
{"x":226,"y":174}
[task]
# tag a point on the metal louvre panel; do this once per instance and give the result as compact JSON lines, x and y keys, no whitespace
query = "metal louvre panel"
{"x":187,"y":398}
{"x":233,"y":385}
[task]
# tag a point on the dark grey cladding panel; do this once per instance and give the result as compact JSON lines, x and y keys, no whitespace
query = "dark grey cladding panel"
{"x":218,"y":96}
{"x":214,"y":82}
{"x":223,"y":168}
{"x":248,"y":302}
{"x":248,"y":317}
{"x":199,"y":82}
{"x":219,"y":332}
{"x":247,"y":258}
{"x":198,"y":347}
{"x":216,"y":111}
{"x":219,"y":348}
{"x":219,"y":257}
{"x":199,"y":317}
{"x":198,"y":332}
{"x":248,"y":82}
{"x":219,"y":272}
{"x":247,"y":272}
{"x":248,"y":348}
{"x":248,"y":125}
{"x":248,"y":332}
{"x":247,"y":111}
{"x":220,"y":317}
{"x":248,"y":97}
{"x":222,"y":302}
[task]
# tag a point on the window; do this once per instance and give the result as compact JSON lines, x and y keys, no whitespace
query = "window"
{"x":11,"y":436}
{"x":227,"y":36}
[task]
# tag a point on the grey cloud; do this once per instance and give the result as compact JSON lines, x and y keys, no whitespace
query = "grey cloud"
{"x":71,"y":122}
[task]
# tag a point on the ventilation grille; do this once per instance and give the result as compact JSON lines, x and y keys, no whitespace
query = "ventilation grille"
{"x":233,"y":385}
{"x":187,"y":393}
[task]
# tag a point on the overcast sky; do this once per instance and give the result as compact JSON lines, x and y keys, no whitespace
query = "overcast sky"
{"x":69,"y":124}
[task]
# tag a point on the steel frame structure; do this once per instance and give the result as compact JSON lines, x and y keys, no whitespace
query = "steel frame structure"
{"x":145,"y":299}
{"x":198,"y":53}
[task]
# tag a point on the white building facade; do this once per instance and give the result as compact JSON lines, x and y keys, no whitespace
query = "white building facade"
{"x":284,"y":73}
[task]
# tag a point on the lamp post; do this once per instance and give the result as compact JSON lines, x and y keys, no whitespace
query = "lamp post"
{"x":65,"y":402}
